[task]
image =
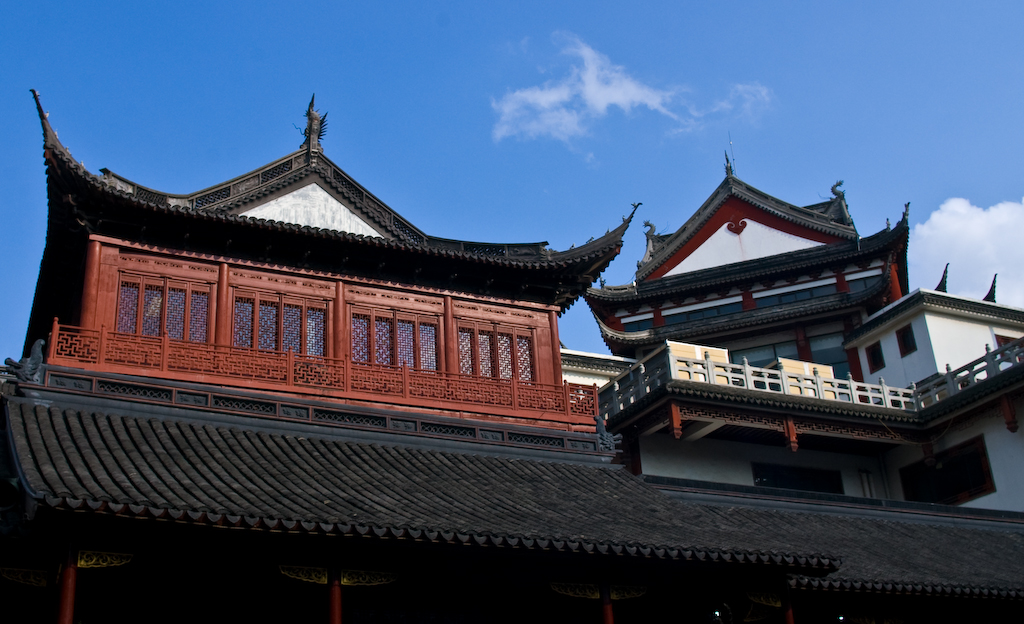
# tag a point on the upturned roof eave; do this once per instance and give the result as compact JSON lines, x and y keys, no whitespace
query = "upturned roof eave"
{"x":732,"y":186}
{"x":592,"y":256}
{"x":751,"y":269}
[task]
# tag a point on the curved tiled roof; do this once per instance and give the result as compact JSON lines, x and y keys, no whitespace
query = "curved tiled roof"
{"x":204,"y":473}
{"x":829,"y":217}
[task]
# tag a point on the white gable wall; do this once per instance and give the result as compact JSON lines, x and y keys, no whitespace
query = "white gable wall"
{"x":756,"y":240}
{"x":313,"y":206}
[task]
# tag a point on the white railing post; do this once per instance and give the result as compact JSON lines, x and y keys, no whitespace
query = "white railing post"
{"x":710,"y":367}
{"x":817,"y":384}
{"x":914,"y":395}
{"x":748,"y":381}
{"x":885,"y":392}
{"x":951,"y":388}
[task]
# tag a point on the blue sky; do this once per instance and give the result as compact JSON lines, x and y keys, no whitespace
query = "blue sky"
{"x":535,"y":121}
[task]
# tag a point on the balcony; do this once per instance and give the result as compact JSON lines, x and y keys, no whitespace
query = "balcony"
{"x":565,"y":406}
{"x":663,"y":366}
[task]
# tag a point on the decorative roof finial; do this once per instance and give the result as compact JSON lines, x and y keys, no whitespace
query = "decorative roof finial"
{"x":630,"y":217}
{"x":906,"y":210}
{"x":991,"y":296}
{"x":316,"y":126}
{"x":888,"y":225}
{"x":728,"y":165}
{"x":837,"y":192}
{"x":942,"y":282}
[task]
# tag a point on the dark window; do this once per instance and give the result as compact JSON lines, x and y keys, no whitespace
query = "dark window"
{"x":762,"y":356}
{"x":397,"y":339}
{"x":863,"y":283}
{"x":828,"y":349}
{"x":270,"y":323}
{"x":638,"y":325}
{"x":154,"y":306}
{"x":496,"y":354}
{"x":957,"y":475}
{"x":875,"y":359}
{"x":794,"y":478}
{"x":905,"y":337}
{"x":1003,"y":340}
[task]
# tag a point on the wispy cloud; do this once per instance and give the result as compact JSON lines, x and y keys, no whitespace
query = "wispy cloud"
{"x":977,"y":243}
{"x":567,"y":108}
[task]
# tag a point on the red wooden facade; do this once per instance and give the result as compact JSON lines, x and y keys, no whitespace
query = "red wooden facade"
{"x":174,"y":315}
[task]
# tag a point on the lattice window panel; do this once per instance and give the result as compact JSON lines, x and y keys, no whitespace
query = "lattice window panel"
{"x":268,"y":325}
{"x":360,"y":338}
{"x":152,"y":309}
{"x":291,"y":328}
{"x":428,"y":347}
{"x":524,"y":358}
{"x":275,"y":172}
{"x":485,"y":344}
{"x":198,"y":316}
{"x":405,"y":342}
{"x":128,"y":308}
{"x":505,"y":356}
{"x":243,"y":322}
{"x":176,"y":313}
{"x":214,"y":197}
{"x":315,"y":325}
{"x":466,"y":351}
{"x":383,"y":350}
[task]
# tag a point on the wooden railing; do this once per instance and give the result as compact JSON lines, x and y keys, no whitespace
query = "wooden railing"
{"x":107,"y":351}
{"x":954,"y":381}
{"x":661,"y":367}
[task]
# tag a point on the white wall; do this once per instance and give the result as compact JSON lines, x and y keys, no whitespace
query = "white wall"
{"x":722,"y":461}
{"x":941,"y":339}
{"x":1005,"y":455}
{"x":901,"y":371}
{"x":756,"y":240}
{"x":315,"y":207}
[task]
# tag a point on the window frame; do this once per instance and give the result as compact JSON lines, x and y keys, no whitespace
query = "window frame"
{"x":280,"y":301}
{"x":396,"y":316}
{"x":165,"y":284}
{"x":976,"y":444}
{"x":901,"y":334}
{"x":875,"y":347}
{"x":476,"y":328}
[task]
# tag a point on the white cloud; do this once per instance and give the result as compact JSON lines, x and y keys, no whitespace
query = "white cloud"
{"x":977,"y":243}
{"x":564,"y":109}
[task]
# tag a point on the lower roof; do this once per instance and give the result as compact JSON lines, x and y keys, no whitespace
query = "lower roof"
{"x":73,"y":458}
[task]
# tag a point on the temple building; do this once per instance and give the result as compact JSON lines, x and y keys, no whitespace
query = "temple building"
{"x":278,"y":399}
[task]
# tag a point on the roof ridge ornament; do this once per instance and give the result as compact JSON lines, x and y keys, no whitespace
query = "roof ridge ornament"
{"x":316,"y":127}
{"x":728,"y":165}
{"x":991,"y":296}
{"x":943,"y":282}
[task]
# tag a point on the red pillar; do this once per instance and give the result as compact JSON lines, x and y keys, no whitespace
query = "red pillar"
{"x":451,"y":337}
{"x":91,"y":287}
{"x":68,"y":577}
{"x":339,"y":325}
{"x":803,"y":346}
{"x":787,"y":604}
{"x":556,"y":349}
{"x":334,"y":588}
{"x":895,"y":292}
{"x":606,"y":605}
{"x":222,"y":336}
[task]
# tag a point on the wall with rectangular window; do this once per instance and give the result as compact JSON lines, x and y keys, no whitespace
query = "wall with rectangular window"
{"x":272,"y":322}
{"x":394,"y":338}
{"x":494,"y":351}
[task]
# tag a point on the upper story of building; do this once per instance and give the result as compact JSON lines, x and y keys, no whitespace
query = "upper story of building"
{"x":758,"y":276}
{"x":296,"y":282}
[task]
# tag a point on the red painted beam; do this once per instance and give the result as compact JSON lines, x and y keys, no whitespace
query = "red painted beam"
{"x":68,"y":580}
{"x":334,"y":596}
{"x":606,"y":605}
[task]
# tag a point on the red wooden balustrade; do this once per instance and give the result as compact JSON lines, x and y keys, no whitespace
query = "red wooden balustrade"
{"x":108,"y":351}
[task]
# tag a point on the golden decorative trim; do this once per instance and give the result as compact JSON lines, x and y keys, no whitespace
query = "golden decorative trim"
{"x":363,"y":577}
{"x":584,"y":590}
{"x":96,"y":559}
{"x":625,"y":592}
{"x":577,"y":590}
{"x":35,"y":578}
{"x":309,"y":575}
{"x":765,"y":598}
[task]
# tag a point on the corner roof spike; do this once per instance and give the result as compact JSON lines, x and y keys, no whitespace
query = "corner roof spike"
{"x":991,"y":296}
{"x":728,"y":165}
{"x":942,"y":282}
{"x":49,"y":136}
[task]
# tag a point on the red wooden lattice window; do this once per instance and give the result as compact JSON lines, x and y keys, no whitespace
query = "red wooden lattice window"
{"x":496,"y":352}
{"x":394,"y":339}
{"x":274,"y":323}
{"x":154,"y":306}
